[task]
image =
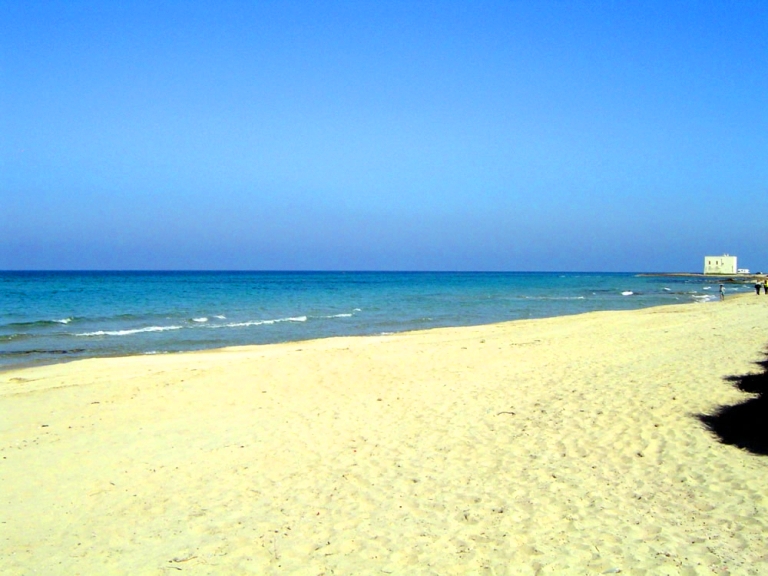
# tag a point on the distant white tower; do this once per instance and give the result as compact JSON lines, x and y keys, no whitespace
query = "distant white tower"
{"x":724,"y":264}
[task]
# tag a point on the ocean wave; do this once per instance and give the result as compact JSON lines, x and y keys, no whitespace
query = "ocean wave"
{"x":131,"y":331}
{"x":15,"y":337}
{"x":262,"y":322}
{"x":703,"y":297}
{"x":627,"y":293}
{"x":200,"y":322}
{"x":39,"y":323}
{"x":245,"y":324}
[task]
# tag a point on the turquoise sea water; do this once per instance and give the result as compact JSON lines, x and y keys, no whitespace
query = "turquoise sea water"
{"x":54,"y":316}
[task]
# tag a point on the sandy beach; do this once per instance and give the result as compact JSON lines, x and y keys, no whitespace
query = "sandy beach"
{"x":568,"y":445}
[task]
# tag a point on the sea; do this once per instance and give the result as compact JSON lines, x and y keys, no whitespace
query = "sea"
{"x":49,"y":317}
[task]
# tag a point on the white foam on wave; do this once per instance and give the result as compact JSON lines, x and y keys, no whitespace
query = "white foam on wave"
{"x":707,"y":288}
{"x":243,"y":324}
{"x":703,"y":298}
{"x":339,"y":316}
{"x":220,"y":317}
{"x":202,"y":319}
{"x":64,"y":321}
{"x":667,"y":289}
{"x":129,"y":332}
{"x":263,"y":322}
{"x":627,"y":293}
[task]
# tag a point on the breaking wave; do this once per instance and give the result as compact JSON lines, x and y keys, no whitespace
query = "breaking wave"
{"x":262,"y":322}
{"x":131,"y":331}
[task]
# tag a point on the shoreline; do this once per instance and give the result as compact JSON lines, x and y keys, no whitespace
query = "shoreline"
{"x":100,"y":315}
{"x":66,"y":357}
{"x":566,"y":444}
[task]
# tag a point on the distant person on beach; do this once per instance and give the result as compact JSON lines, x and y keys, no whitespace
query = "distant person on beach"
{"x":722,"y":292}
{"x":765,"y":286}
{"x":758,"y":285}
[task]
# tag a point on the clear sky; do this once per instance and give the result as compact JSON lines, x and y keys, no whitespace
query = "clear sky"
{"x":383,"y":135}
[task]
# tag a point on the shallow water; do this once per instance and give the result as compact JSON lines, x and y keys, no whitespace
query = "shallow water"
{"x":54,"y":316}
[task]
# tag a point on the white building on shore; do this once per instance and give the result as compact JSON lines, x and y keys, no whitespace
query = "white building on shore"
{"x":724,"y":264}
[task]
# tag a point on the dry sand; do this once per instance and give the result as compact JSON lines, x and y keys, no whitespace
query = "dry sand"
{"x":559,"y":446}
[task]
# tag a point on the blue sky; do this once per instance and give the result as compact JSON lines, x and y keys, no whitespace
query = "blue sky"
{"x":383,"y":135}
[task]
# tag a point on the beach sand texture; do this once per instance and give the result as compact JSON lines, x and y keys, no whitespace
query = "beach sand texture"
{"x":567,"y":445}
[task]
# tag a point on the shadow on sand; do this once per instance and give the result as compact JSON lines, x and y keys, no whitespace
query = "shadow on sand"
{"x":745,"y":424}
